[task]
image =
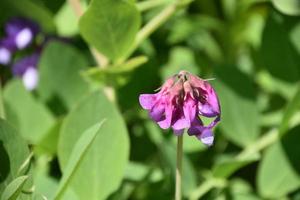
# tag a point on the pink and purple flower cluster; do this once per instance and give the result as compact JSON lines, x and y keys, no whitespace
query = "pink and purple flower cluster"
{"x":180,"y":103}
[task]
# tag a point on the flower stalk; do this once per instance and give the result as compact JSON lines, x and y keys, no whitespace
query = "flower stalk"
{"x":178,"y":183}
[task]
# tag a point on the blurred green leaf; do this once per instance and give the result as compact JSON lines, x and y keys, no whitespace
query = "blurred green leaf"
{"x":108,"y":154}
{"x":291,"y":109}
{"x":227,"y":167}
{"x":48,"y":144}
{"x":13,"y":153}
{"x":279,"y":170}
{"x":46,"y":186}
{"x":240,"y":115}
{"x":59,"y":69}
{"x":295,"y":36}
{"x":278,"y":54}
{"x":180,"y":58}
{"x":32,"y":10}
{"x":136,"y":171}
{"x":78,"y":155}
{"x":25,"y":112}
{"x":116,"y":75}
{"x":66,"y":21}
{"x":288,"y":7}
{"x":14,"y":188}
{"x":241,"y":190}
{"x":110,"y":26}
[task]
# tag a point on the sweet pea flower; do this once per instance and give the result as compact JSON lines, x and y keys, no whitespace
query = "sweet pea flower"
{"x":26,"y":68}
{"x":181,"y":102}
{"x":21,"y":32}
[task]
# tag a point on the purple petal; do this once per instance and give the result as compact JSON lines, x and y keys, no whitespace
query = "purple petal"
{"x":189,"y":110}
{"x":157,"y":113}
{"x":206,"y":137}
{"x":166,"y":123}
{"x":181,"y":124}
{"x":207,"y":110}
{"x":211,"y":107}
{"x":30,"y":78}
{"x":21,"y":66}
{"x":22,"y":31}
{"x":147,"y":101}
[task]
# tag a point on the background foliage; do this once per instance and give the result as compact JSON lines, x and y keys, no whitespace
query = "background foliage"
{"x":81,"y":133}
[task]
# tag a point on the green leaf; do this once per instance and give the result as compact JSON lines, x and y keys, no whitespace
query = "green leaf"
{"x":110,"y":26}
{"x":180,"y":58}
{"x":240,"y":114}
{"x":291,"y":109}
{"x":48,"y":144}
{"x":241,"y":190}
{"x":14,"y":188}
{"x":25,"y":112}
{"x":280,"y":56}
{"x":81,"y":148}
{"x":101,"y":159}
{"x":227,"y":167}
{"x":66,"y":21}
{"x":13,"y":153}
{"x":116,"y":75}
{"x":32,"y":10}
{"x":136,"y":171}
{"x":289,"y":7}
{"x":59,"y":78}
{"x":47,"y":185}
{"x":279,"y":170}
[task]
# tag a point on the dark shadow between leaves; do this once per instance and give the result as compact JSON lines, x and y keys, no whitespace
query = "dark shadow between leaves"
{"x":4,"y":163}
{"x":236,"y":80}
{"x":291,"y":147}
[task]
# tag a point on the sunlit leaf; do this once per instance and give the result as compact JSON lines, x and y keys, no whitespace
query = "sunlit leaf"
{"x":279,"y":170}
{"x":108,"y":154}
{"x":78,"y":155}
{"x":25,"y":112}
{"x":13,"y":153}
{"x":14,"y":188}
{"x":110,"y":26}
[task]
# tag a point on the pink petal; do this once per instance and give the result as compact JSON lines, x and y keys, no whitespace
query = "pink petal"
{"x":166,"y":123}
{"x":147,"y":101}
{"x":189,"y":110}
{"x":211,"y":107}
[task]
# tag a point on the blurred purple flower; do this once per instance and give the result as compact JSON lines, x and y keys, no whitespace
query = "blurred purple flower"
{"x":6,"y":50}
{"x":26,"y":68}
{"x":21,"y":32}
{"x":179,"y":104}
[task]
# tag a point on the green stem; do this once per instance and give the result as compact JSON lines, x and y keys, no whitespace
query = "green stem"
{"x":178,"y":184}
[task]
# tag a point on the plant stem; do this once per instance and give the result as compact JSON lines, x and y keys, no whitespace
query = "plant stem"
{"x":101,"y":60}
{"x":178,"y":187}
